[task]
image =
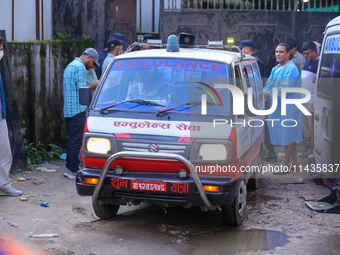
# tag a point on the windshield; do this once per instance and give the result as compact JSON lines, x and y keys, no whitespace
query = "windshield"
{"x":168,"y":83}
{"x":329,"y":72}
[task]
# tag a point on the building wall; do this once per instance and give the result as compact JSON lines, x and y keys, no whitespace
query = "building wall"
{"x":24,"y":25}
{"x":96,"y":18}
{"x":146,"y":22}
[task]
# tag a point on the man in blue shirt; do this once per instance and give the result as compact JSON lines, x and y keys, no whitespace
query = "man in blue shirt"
{"x":75,"y":78}
{"x":284,"y":75}
{"x":114,"y":49}
{"x":104,"y":52}
{"x":5,"y":152}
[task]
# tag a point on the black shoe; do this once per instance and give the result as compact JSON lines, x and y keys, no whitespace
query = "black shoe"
{"x":270,"y":157}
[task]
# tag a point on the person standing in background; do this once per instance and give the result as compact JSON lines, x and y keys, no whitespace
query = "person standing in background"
{"x":5,"y":152}
{"x":247,"y":47}
{"x":308,"y":75}
{"x":114,"y":48}
{"x":298,"y":59}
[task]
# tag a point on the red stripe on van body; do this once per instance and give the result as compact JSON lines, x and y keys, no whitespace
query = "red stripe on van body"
{"x":138,"y":165}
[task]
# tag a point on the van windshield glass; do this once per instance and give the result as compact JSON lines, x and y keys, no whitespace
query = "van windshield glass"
{"x":169,"y":82}
{"x":329,"y":72}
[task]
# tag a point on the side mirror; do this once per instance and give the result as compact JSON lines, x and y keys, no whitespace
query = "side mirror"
{"x":85,"y":96}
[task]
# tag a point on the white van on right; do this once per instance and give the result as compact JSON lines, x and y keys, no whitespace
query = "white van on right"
{"x":327,"y":78}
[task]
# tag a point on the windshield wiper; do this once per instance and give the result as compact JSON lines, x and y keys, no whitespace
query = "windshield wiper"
{"x":136,"y":101}
{"x":174,"y":107}
{"x":195,"y":103}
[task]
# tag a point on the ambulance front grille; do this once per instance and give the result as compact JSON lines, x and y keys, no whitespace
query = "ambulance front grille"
{"x":154,"y":147}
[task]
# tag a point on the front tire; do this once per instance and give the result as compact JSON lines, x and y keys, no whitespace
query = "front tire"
{"x":105,"y":211}
{"x":235,"y":213}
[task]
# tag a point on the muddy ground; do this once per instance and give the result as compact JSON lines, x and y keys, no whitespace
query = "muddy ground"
{"x":278,"y":222}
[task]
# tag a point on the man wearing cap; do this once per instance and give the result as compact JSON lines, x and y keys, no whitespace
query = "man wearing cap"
{"x":104,"y":52}
{"x":114,"y":49}
{"x":247,"y":47}
{"x":74,"y":113}
{"x":298,"y":59}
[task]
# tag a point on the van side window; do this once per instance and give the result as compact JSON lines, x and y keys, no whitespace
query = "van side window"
{"x":258,"y":82}
{"x":250,"y":79}
{"x":238,"y":78}
{"x":329,"y":69}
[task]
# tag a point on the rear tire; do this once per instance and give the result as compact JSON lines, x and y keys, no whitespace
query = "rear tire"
{"x":105,"y":211}
{"x":235,"y":213}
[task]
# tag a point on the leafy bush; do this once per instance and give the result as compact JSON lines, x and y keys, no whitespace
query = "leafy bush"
{"x":60,"y":36}
{"x":86,"y":37}
{"x":37,"y":153}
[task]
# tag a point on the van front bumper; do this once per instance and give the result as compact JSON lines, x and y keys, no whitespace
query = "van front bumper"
{"x":162,"y":187}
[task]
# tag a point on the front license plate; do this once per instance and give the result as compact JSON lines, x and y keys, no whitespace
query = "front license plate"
{"x":149,"y":186}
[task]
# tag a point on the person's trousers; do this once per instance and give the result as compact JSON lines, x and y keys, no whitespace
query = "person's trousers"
{"x":307,"y":122}
{"x":76,"y":126}
{"x":5,"y":156}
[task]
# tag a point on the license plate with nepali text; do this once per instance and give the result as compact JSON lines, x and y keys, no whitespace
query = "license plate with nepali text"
{"x":176,"y":187}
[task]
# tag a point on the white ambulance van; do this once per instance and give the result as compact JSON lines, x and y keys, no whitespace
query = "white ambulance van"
{"x":161,"y":130}
{"x":328,"y":77}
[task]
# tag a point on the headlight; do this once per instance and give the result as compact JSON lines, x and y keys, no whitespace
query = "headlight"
{"x":98,"y":145}
{"x":213,"y":152}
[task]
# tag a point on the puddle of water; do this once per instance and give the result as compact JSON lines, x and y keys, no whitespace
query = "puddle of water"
{"x":260,"y":198}
{"x":233,"y":241}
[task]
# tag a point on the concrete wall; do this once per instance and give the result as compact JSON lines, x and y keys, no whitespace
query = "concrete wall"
{"x":96,"y":18}
{"x":80,"y":17}
{"x":37,"y":74}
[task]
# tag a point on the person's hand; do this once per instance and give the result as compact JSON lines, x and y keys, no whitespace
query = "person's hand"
{"x":264,"y":95}
{"x":314,"y":79}
{"x":94,"y":85}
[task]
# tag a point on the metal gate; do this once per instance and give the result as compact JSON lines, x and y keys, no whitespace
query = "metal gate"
{"x":267,"y":23}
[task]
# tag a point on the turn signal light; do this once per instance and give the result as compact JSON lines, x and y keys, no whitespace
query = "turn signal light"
{"x":209,"y":188}
{"x":92,"y":181}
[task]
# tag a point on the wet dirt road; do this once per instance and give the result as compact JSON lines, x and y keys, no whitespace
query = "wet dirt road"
{"x":278,"y":222}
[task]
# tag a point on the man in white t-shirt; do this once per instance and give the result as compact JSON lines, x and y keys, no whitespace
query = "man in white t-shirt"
{"x":307,"y":74}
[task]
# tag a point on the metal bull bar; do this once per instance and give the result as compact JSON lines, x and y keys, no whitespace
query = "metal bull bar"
{"x":153,"y":156}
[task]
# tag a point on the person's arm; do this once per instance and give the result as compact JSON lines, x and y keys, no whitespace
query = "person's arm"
{"x":93,"y":86}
